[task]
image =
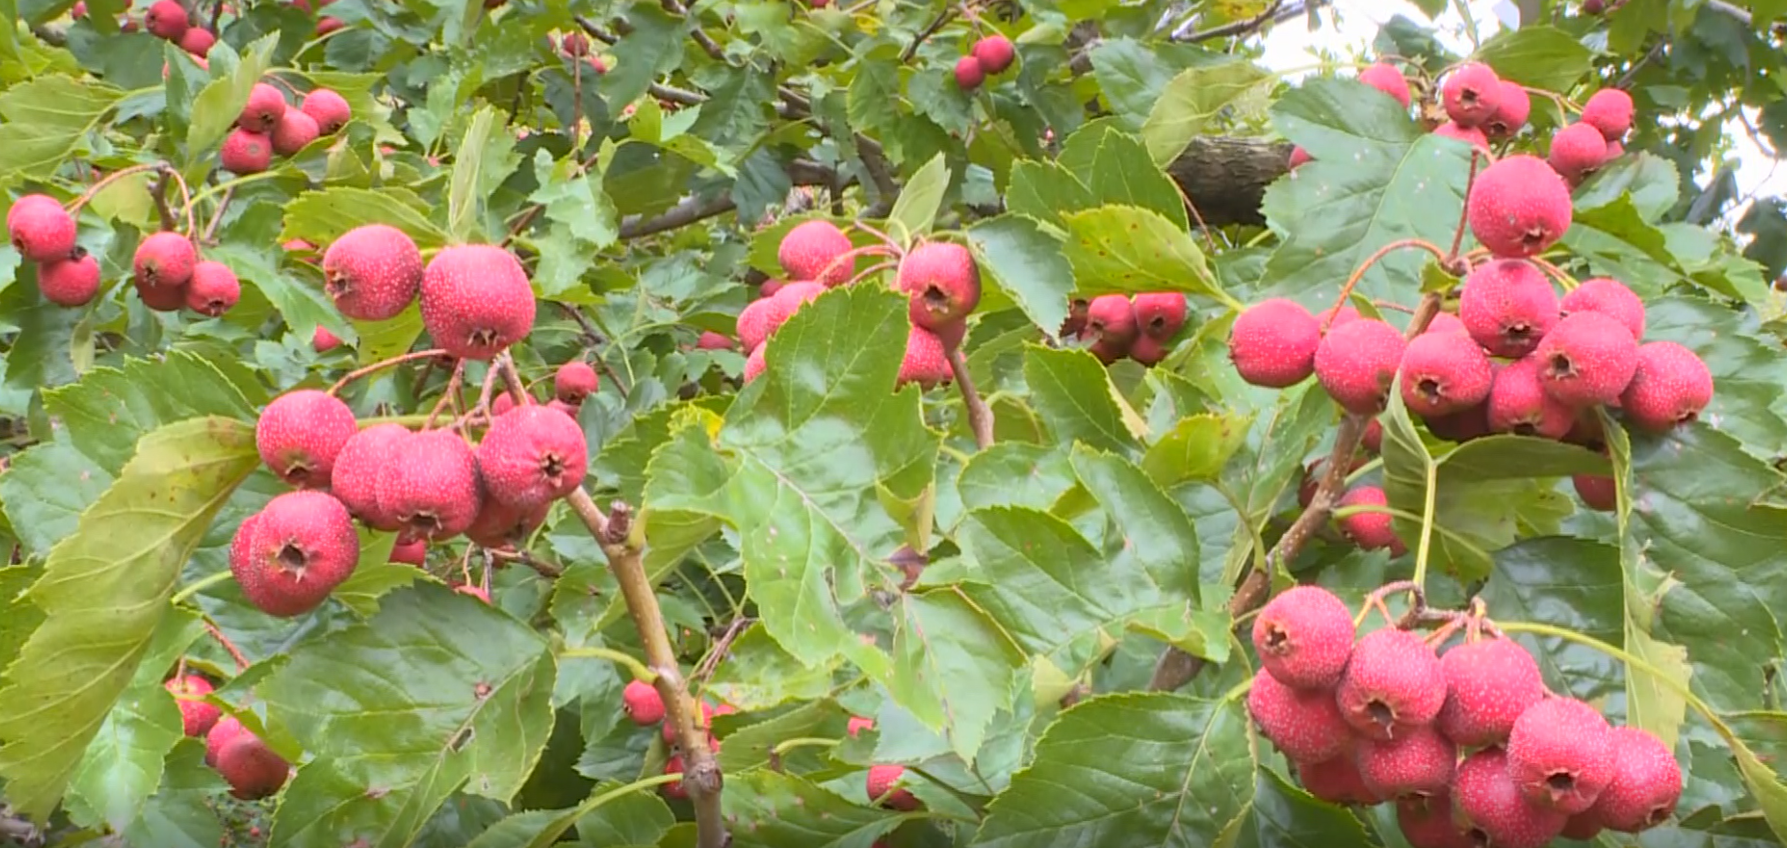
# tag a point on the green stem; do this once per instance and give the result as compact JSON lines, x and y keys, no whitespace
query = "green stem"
{"x":1631,"y":661}
{"x":640,"y":672}
{"x":405,"y":420}
{"x":200,"y":585}
{"x":1426,"y":530}
{"x":226,"y":185}
{"x":787,"y":745}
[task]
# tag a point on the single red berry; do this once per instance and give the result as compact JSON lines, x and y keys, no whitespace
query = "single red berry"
{"x":70,"y":282}
{"x":300,"y":547}
{"x":814,"y":252}
{"x":1369,"y":530}
{"x":1472,"y":136}
{"x":41,"y":229}
{"x":574,"y":381}
{"x":1444,"y":373}
{"x":213,"y":289}
{"x":372,"y":272}
{"x":881,"y":782}
{"x":1392,"y":685}
{"x":1519,"y":206}
{"x":1511,"y":112}
{"x":499,"y":525}
{"x":295,"y":130}
{"x":1518,"y":403}
{"x":1487,"y":802}
{"x":926,"y":361}
{"x":1597,"y":492}
{"x":430,"y":486}
{"x":166,"y":19}
{"x":300,"y":434}
{"x":1670,"y":385}
{"x":1273,"y":343}
{"x":1357,"y":361}
{"x":330,"y":110}
{"x":1471,"y":94}
{"x":164,"y":261}
{"x":1561,"y":755}
{"x":1337,"y":781}
{"x":642,"y":703}
{"x":1159,"y":315}
{"x":355,"y":475}
{"x":995,"y":53}
{"x":942,"y":281}
{"x":531,"y":456}
{"x":1610,"y":111}
{"x":969,"y":73}
{"x":1417,"y":762}
{"x":251,"y":768}
{"x":476,"y":300}
{"x":1577,"y":151}
{"x":1304,"y":637}
{"x":1647,"y":783}
{"x":1489,"y":683}
{"x":1388,"y":79}
{"x":1586,"y":359}
{"x":1507,"y":306}
{"x":1304,"y":725}
{"x":1426,"y":822}
{"x":266,"y":105}
{"x":1609,"y":297}
{"x":197,"y":716}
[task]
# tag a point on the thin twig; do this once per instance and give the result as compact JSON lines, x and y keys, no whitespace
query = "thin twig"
{"x":160,"y":193}
{"x":548,"y":570}
{"x":943,"y":18}
{"x":381,"y":365}
{"x":717,"y":654}
{"x":708,"y":45}
{"x":235,"y":652}
{"x":217,"y":217}
{"x":980,"y":416}
{"x":689,"y":211}
{"x":1274,"y":13}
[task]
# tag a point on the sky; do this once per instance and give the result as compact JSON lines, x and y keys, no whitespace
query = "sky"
{"x":1291,"y":45}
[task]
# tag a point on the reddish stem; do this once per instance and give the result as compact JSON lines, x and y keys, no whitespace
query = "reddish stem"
{"x":381,"y":365}
{"x":74,"y":208}
{"x":1464,"y":213}
{"x":235,"y":652}
{"x":1359,"y":273}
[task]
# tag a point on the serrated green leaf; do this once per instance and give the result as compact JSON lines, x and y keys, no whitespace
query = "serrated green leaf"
{"x":1195,"y":98}
{"x":952,"y":668}
{"x":775,"y":810}
{"x":44,"y":491}
{"x":916,"y":208}
{"x":1648,"y":179}
{"x":110,"y":407}
{"x":1072,"y":394}
{"x":1043,"y":190}
{"x":218,"y":106}
{"x":1543,"y":57}
{"x":1196,"y":448}
{"x":320,"y":217}
{"x":1127,"y":249}
{"x":104,"y":592}
{"x":1158,"y":769}
{"x":1284,"y":815}
{"x":1153,"y":535}
{"x":1026,"y":265}
{"x":1121,"y":174}
{"x":1570,"y":583}
{"x":468,"y":706}
{"x":1015,"y":474}
{"x":484,"y":159}
{"x":45,"y":119}
{"x":758,"y":675}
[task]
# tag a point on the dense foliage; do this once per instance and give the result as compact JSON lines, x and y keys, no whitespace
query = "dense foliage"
{"x":456,"y":423}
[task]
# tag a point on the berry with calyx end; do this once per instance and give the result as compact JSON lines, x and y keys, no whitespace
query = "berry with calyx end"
{"x":926,"y":361}
{"x":1461,"y":427}
{"x":430,"y":486}
{"x":1273,"y":343}
{"x":811,"y":252}
{"x":755,"y":363}
{"x":1426,"y":822}
{"x":574,"y":381}
{"x":1586,"y":359}
{"x":1299,"y":157}
{"x":302,"y":546}
{"x":354,"y":479}
{"x":1598,"y":492}
{"x":1471,"y":94}
{"x":1076,"y":318}
{"x":70,"y":282}
{"x":1489,"y":684}
{"x":1357,"y":361}
{"x":643,"y":703}
{"x":40,"y":228}
{"x":1519,"y":206}
{"x":330,"y":110}
{"x":1577,"y":151}
{"x":881,"y":782}
{"x":1369,"y":530}
{"x":1444,"y":373}
{"x":1519,"y":404}
{"x":300,"y":434}
{"x":942,"y":281}
{"x":1386,"y":78}
{"x":213,"y":289}
{"x":1417,"y":762}
{"x":476,"y":300}
{"x":499,"y":525}
{"x":531,"y":456}
{"x":995,"y":53}
{"x":1159,"y":315}
{"x":1304,"y":637}
{"x":1487,"y":802}
{"x":1305,"y":725}
{"x":1560,"y":755}
{"x":1337,"y":781}
{"x":1609,"y":111}
{"x":1670,"y":385}
{"x":1511,"y":112}
{"x":197,"y":716}
{"x":1110,"y":318}
{"x":294,"y":130}
{"x":251,"y":768}
{"x":1647,"y":783}
{"x":167,"y":20}
{"x":1507,"y":305}
{"x":164,"y":261}
{"x":1392,"y":685}
{"x":1469,"y":135}
{"x":1609,"y":297}
{"x":246,"y":152}
{"x":266,"y":105}
{"x":413,"y":552}
{"x":372,"y":272}
{"x":969,"y":74}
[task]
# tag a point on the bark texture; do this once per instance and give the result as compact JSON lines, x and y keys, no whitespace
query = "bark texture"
{"x":1226,"y":178}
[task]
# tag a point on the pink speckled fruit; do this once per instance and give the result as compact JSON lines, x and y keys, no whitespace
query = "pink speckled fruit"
{"x":1472,"y":136}
{"x":1609,"y":297}
{"x":1561,"y":754}
{"x":197,"y":40}
{"x":1519,"y":404}
{"x":356,"y":474}
{"x":1369,"y":530}
{"x":330,"y":110}
{"x":213,"y":289}
{"x":295,"y":130}
{"x":1577,"y":151}
{"x":266,"y":105}
{"x":300,"y":434}
{"x":1356,"y":363}
{"x":1444,"y":373}
{"x":1610,"y":111}
{"x":499,"y":525}
{"x":164,"y":261}
{"x":302,"y":545}
{"x":372,"y":272}
{"x":1386,"y":78}
{"x":1392,"y":685}
{"x":40,"y":228}
{"x":880,"y":784}
{"x":1507,"y":305}
{"x":995,"y":53}
{"x":430,"y":486}
{"x":1305,"y":725}
{"x":926,"y":361}
{"x":1417,"y":762}
{"x":246,"y":152}
{"x":1273,"y":343}
{"x":1670,"y":385}
{"x":1471,"y":94}
{"x":1337,"y":781}
{"x":574,"y":381}
{"x":1647,"y":783}
{"x":812,"y":252}
{"x":969,"y":74}
{"x":252,"y":769}
{"x":1588,"y":358}
{"x":642,"y":703}
{"x":1519,"y":206}
{"x":763,"y":317}
{"x":197,"y":717}
{"x":166,"y":19}
{"x":1489,"y":683}
{"x":1304,"y":636}
{"x":942,"y":282}
{"x":70,"y":282}
{"x":1488,"y":803}
{"x":476,"y":301}
{"x":755,"y":363}
{"x":1511,"y":112}
{"x":531,"y":456}
{"x":1426,"y":822}
{"x":413,"y":552}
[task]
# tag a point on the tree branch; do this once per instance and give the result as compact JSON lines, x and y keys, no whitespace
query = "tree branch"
{"x":1274,"y":13}
{"x":980,"y":416}
{"x":943,"y":18}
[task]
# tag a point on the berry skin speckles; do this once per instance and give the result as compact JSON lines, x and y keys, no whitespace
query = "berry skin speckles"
{"x":1519,"y":206}
{"x":1444,"y":373}
{"x":1356,"y":363}
{"x":1305,"y":725}
{"x":1561,"y":755}
{"x":1273,"y":343}
{"x":1587,"y":359}
{"x":1304,"y":637}
{"x":1670,"y":385}
{"x":1392,"y":685}
{"x":476,"y":301}
{"x":1471,"y":94}
{"x":40,"y":228}
{"x":300,"y":434}
{"x":1507,"y":305}
{"x":1489,"y":683}
{"x":372,"y":272}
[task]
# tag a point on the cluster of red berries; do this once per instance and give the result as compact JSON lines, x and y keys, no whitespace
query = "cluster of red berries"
{"x":268,"y":126}
{"x":1385,"y":718}
{"x":645,"y":707}
{"x":989,"y":56}
{"x":1141,"y":327}
{"x":244,"y":761}
{"x":476,"y":298}
{"x":168,"y":20}
{"x":44,"y":233}
{"x":575,"y":45}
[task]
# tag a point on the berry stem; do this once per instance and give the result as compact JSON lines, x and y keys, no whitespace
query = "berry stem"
{"x":638,"y":669}
{"x":200,"y":585}
{"x":381,"y":365}
{"x":787,"y":745}
{"x":1346,"y":291}
{"x":169,"y":173}
{"x":980,"y":416}
{"x":217,"y":216}
{"x":1464,"y":215}
{"x":235,"y":652}
{"x":1563,"y":278}
{"x":850,"y":256}
{"x":879,"y":234}
{"x":229,"y":185}
{"x":871,"y":270}
{"x":74,"y":208}
{"x":449,"y":395}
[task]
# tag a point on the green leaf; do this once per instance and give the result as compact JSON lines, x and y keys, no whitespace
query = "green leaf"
{"x":45,"y":490}
{"x":1543,"y":57}
{"x":103,"y":593}
{"x":654,"y":46}
{"x":1025,"y":265}
{"x":765,"y":808}
{"x":758,"y":675}
{"x":220,"y":103}
{"x":320,"y":217}
{"x":1284,"y":815}
{"x":1044,"y":189}
{"x":1150,"y":532}
{"x":1122,"y":174}
{"x":1195,"y":98}
{"x":1072,"y":393}
{"x":110,"y":407}
{"x":1159,"y":769}
{"x":1649,"y":180}
{"x":952,"y":667}
{"x":1570,"y":583}
{"x":484,"y":159}
{"x":544,"y":828}
{"x":468,"y":706}
{"x":916,"y":208}
{"x":45,"y":120}
{"x":1197,"y":448}
{"x":1126,"y":249}
{"x":1376,"y":178}
{"x":1016,"y":474}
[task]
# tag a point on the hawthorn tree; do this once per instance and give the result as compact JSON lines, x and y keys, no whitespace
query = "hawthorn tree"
{"x":895,"y":424}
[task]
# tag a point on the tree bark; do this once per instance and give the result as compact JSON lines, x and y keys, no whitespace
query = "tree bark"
{"x":1226,"y":177}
